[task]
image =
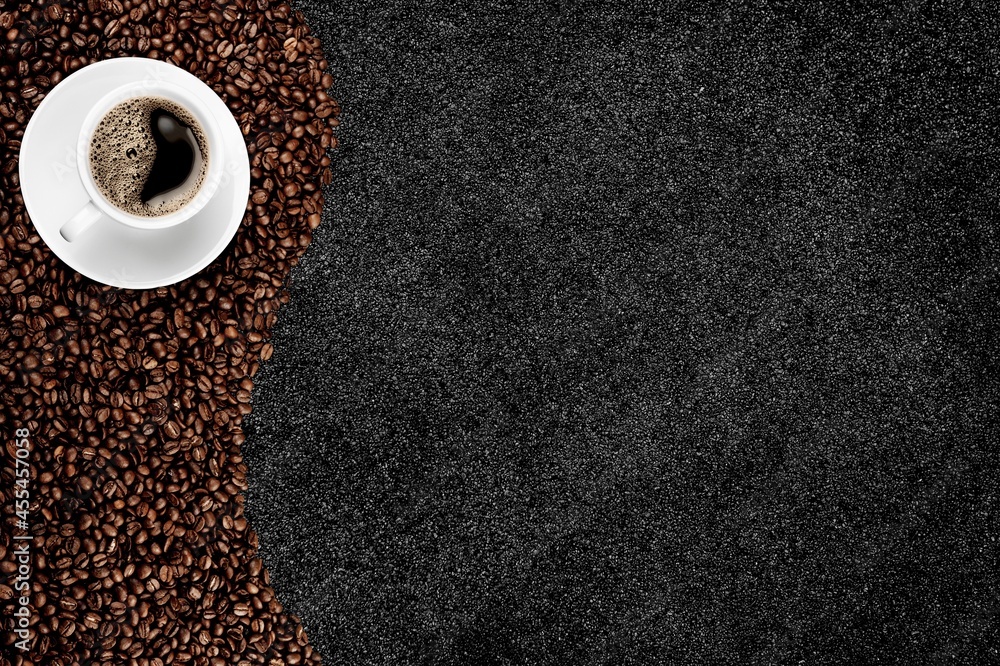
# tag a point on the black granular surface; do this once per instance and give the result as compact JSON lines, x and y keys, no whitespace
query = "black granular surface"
{"x":660,"y":333}
{"x":134,"y":400}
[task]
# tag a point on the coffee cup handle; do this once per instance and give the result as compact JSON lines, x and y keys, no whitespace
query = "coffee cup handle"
{"x":80,"y":222}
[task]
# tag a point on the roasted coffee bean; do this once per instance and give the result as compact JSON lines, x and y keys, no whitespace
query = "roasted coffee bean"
{"x":135,"y":397}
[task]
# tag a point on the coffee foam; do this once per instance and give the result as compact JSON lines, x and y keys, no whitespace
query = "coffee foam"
{"x":120,"y":174}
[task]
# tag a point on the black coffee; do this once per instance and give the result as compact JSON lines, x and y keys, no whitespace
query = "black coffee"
{"x":149,"y":156}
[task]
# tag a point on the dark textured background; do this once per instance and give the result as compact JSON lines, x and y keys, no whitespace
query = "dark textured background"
{"x":660,"y":335}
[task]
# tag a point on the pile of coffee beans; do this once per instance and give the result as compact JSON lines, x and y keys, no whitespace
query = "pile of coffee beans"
{"x":133,"y":400}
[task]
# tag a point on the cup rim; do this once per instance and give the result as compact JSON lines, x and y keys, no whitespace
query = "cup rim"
{"x":194,"y":105}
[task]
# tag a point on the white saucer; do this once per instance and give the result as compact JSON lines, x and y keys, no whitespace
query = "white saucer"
{"x":110,"y":252}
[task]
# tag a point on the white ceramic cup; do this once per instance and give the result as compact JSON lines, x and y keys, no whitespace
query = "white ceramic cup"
{"x":99,"y":206}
